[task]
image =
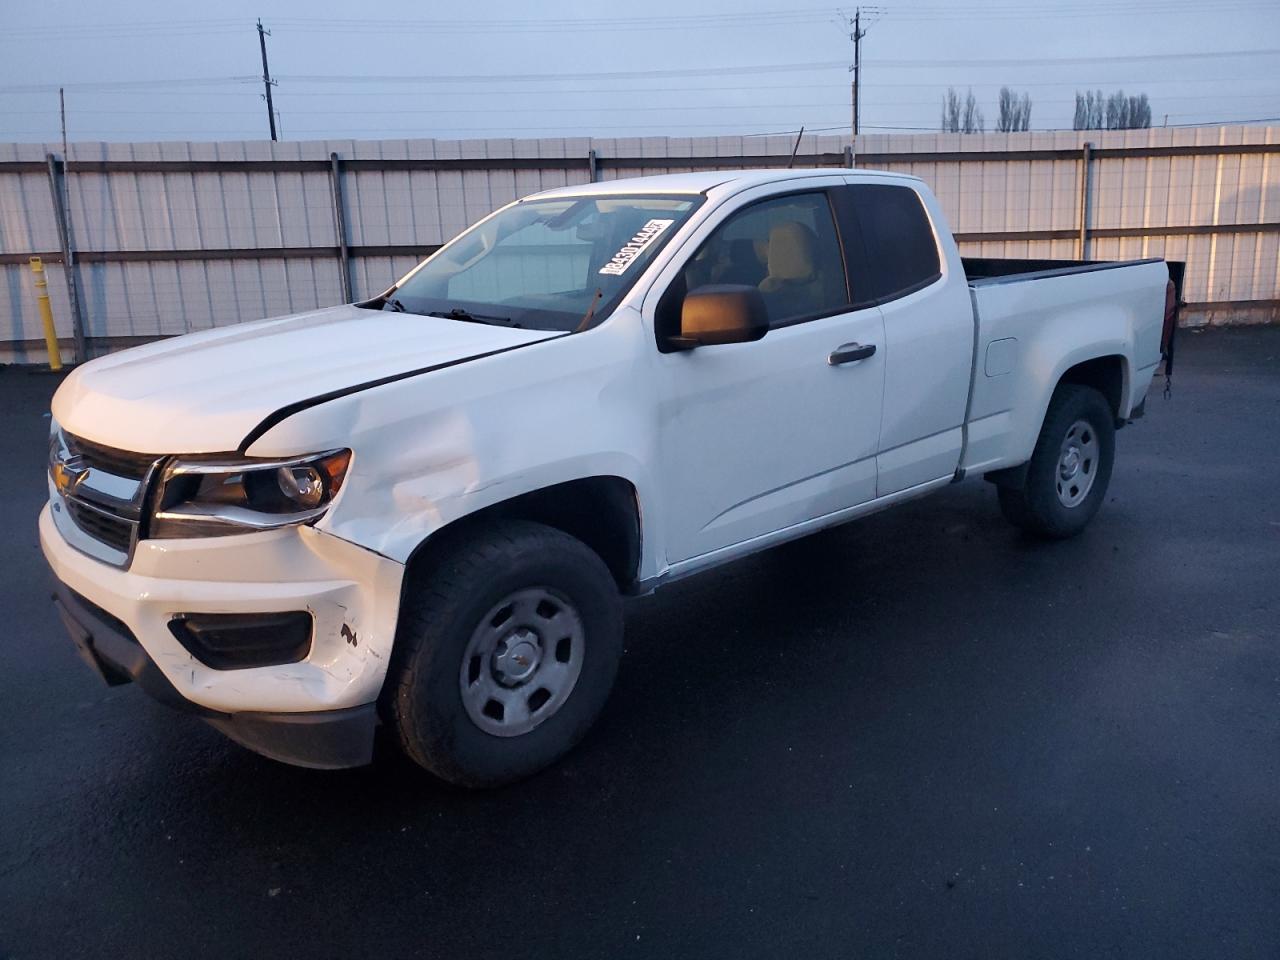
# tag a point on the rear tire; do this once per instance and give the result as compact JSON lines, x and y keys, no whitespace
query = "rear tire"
{"x":508,"y":644}
{"x":1067,"y":477}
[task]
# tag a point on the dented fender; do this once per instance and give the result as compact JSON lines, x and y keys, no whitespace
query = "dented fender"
{"x":430,"y":450}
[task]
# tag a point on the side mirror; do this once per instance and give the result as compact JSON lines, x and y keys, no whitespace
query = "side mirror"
{"x":721,"y":313}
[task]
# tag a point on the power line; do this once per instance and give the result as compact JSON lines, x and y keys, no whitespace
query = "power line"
{"x":766,"y":18}
{"x":752,"y":18}
{"x":126,"y":85}
{"x":130,"y":88}
{"x":1077,"y":61}
{"x":565,"y":129}
{"x":556,"y":77}
{"x":453,"y":79}
{"x":583,"y":108}
{"x":124,"y":29}
{"x":506,"y":131}
{"x":682,"y":89}
{"x":756,"y":68}
{"x":444,"y":79}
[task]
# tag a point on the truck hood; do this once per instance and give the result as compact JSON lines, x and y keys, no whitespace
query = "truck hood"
{"x":204,"y":392}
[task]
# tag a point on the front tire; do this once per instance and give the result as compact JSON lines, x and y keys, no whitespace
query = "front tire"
{"x":509,"y":641}
{"x":1067,"y":478}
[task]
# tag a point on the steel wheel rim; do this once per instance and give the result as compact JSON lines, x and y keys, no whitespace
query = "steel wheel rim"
{"x":1077,"y":464}
{"x":522,"y":662}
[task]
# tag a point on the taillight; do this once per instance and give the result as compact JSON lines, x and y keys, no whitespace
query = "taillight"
{"x":1170,"y":318}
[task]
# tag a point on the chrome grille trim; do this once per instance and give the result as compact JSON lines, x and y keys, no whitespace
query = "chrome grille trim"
{"x":121,"y":463}
{"x":104,"y":489}
{"x":103,"y":526}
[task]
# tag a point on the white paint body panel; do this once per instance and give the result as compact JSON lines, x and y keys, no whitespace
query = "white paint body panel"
{"x":729,"y":449}
{"x":764,"y":435}
{"x":204,"y":392}
{"x":296,"y":569}
{"x":929,"y":350}
{"x":756,"y":437}
{"x":1056,"y":323}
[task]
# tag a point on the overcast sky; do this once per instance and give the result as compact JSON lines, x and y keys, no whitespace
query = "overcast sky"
{"x":494,"y":68}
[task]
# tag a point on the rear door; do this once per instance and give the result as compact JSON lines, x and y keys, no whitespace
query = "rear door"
{"x":757,"y":437}
{"x":928,"y":325}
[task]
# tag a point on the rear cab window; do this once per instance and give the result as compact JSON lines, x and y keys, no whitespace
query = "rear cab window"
{"x":890,"y":242}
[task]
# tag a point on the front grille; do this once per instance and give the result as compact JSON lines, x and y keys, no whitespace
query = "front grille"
{"x":104,"y":489}
{"x":115,"y":532}
{"x":119,"y":463}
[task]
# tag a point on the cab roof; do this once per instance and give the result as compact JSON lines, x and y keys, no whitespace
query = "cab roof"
{"x":704,"y":182}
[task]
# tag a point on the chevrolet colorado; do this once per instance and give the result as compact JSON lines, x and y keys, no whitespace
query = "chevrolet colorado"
{"x":422,"y":510}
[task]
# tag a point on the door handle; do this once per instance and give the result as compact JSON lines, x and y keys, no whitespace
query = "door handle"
{"x":851,"y":353}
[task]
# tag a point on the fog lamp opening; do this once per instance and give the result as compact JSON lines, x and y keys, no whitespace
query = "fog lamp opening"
{"x":237,"y":641}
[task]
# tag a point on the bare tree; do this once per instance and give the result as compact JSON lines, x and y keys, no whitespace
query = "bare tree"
{"x":951,"y":111}
{"x":1116,"y":112}
{"x":1132,"y":113}
{"x":971,"y":120}
{"x":1139,"y":112}
{"x":961,"y":116}
{"x":1015,"y":111}
{"x":1091,"y":110}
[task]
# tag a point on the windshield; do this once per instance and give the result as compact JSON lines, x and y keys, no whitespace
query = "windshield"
{"x":560,"y":264}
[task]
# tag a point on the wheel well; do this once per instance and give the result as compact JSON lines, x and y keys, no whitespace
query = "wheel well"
{"x":602,"y":512}
{"x":1104,"y":374}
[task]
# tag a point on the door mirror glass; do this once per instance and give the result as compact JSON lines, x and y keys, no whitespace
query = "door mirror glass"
{"x":721,"y":313}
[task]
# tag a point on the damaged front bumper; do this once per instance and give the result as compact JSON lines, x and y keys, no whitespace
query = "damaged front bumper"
{"x":318,"y":711}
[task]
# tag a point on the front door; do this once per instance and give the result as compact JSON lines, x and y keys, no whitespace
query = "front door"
{"x":757,"y":437}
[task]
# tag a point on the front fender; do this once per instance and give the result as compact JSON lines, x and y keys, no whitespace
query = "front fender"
{"x":432,"y":449}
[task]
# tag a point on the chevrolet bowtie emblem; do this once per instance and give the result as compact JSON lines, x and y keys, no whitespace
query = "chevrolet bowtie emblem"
{"x":67,"y":474}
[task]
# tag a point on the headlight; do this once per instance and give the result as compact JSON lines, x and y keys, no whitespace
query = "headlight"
{"x":203,"y":498}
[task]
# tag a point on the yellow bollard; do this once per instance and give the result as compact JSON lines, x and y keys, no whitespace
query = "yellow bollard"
{"x":46,"y":313}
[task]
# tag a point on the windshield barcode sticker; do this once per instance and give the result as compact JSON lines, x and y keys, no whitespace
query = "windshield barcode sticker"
{"x":634,"y":247}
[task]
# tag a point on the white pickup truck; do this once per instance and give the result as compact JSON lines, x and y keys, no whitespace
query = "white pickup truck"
{"x":422,"y":511}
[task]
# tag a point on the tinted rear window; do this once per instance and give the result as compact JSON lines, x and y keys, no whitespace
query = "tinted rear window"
{"x":898,"y":253}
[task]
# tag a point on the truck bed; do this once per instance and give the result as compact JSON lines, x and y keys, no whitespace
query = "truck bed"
{"x":988,"y":270}
{"x":1035,"y":319}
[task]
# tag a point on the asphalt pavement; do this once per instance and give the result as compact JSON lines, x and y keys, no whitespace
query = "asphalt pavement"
{"x":921,"y":735}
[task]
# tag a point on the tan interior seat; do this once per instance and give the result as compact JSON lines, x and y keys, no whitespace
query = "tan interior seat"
{"x":793,"y":285}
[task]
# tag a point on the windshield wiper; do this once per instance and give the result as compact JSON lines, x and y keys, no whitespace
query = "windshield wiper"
{"x":395,"y":305}
{"x":457,"y":313}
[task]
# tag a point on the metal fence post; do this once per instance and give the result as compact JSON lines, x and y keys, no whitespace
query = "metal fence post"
{"x":1086,"y":156}
{"x":340,"y":227}
{"x":593,"y":169}
{"x":68,"y":255}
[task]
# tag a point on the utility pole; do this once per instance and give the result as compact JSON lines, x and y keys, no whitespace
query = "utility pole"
{"x":62,"y":187}
{"x":856,"y":91}
{"x":267,"y":82}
